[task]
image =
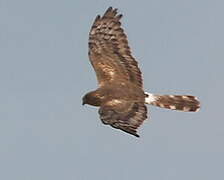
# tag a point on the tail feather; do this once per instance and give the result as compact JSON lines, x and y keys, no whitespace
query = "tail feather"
{"x":175,"y":102}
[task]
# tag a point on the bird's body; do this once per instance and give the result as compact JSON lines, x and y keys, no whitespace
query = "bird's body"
{"x":126,"y":91}
{"x":120,"y":95}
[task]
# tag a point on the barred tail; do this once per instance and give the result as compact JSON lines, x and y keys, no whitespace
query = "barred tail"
{"x":175,"y":102}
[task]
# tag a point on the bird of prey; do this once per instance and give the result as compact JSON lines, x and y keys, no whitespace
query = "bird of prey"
{"x":120,"y":96}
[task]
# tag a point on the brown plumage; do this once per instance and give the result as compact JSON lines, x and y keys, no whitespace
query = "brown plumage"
{"x":177,"y":102}
{"x":120,"y":95}
{"x":109,"y":52}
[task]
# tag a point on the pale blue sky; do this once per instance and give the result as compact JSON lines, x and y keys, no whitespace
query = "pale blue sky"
{"x":45,"y":132}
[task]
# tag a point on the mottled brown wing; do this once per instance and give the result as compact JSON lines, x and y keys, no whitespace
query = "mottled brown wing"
{"x":123,"y":115}
{"x":109,"y":52}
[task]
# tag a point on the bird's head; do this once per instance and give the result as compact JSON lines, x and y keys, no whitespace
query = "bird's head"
{"x":92,"y":98}
{"x":85,"y":99}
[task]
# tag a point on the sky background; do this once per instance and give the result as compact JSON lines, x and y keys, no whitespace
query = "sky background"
{"x":45,"y":132}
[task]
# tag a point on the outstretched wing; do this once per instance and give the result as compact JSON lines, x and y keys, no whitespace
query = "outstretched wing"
{"x":123,"y":115}
{"x":109,"y":52}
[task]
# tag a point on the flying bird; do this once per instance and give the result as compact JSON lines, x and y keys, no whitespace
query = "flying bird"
{"x":120,"y":96}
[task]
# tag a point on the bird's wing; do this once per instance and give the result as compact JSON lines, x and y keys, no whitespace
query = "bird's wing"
{"x":109,"y":51}
{"x":124,"y":115}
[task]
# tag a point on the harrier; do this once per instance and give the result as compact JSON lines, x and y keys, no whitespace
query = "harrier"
{"x":120,"y":95}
